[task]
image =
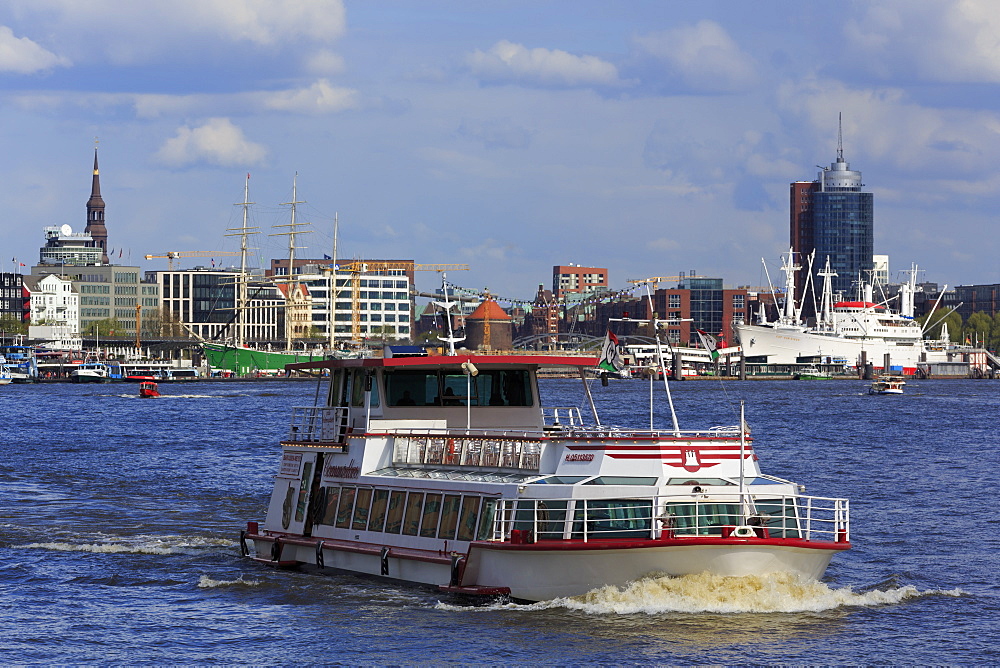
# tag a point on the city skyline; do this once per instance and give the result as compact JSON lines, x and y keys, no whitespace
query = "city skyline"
{"x":645,"y":138}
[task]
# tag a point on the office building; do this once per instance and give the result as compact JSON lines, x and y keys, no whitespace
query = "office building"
{"x":572,"y":279}
{"x":834,"y":217}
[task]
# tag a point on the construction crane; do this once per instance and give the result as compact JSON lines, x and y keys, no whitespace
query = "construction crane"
{"x":176,"y":255}
{"x":355,"y":269}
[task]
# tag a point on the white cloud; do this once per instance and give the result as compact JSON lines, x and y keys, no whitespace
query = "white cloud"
{"x":941,"y":41}
{"x":490,"y":249}
{"x":217,"y":142}
{"x":324,"y":62}
{"x":20,"y":55}
{"x":507,"y":61}
{"x":139,"y":32}
{"x":319,"y":98}
{"x":887,"y":125}
{"x":703,"y":56}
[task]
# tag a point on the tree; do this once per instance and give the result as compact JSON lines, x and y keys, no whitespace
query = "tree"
{"x":978,"y":328}
{"x":106,"y":327}
{"x":12,"y":325}
{"x":937,"y":319}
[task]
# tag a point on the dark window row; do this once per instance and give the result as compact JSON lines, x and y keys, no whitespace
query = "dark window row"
{"x":410,"y":513}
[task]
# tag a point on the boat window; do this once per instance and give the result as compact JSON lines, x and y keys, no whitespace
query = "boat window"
{"x":778,"y":516}
{"x":449,"y":516}
{"x":545,"y":518}
{"x":411,"y":519}
{"x":345,"y":507}
{"x":511,"y":387}
{"x":361,"y":509}
{"x":456,"y":391}
{"x":332,"y":498}
{"x":408,"y":387}
{"x":394,"y":516}
{"x":467,"y":518}
{"x":432,"y":512}
{"x":359,"y":381}
{"x":613,"y":518}
{"x":300,"y":508}
{"x":698,"y":481}
{"x":405,"y":387}
{"x":559,"y":480}
{"x":701,"y":519}
{"x":621,"y":480}
{"x":380,"y":500}
{"x":486,"y":519}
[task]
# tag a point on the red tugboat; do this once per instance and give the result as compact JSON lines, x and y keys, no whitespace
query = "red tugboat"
{"x":148,"y":388}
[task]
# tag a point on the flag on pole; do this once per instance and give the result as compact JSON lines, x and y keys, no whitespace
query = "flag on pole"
{"x":610,"y":359}
{"x":710,"y":344}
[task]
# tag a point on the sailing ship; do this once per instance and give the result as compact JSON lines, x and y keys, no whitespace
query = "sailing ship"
{"x":236,"y":357}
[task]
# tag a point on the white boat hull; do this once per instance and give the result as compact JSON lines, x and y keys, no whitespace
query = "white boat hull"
{"x":544,"y":574}
{"x":90,"y":378}
{"x":541,"y":575}
{"x":787,"y":345}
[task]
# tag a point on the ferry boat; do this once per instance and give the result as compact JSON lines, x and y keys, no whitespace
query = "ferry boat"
{"x":21,"y":362}
{"x":447,"y":471}
{"x":886,"y":384}
{"x":91,"y":372}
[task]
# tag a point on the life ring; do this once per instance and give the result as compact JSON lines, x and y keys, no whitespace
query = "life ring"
{"x":450,"y":457}
{"x":743,"y":532}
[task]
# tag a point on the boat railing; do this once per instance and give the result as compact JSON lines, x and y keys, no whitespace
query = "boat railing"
{"x":615,"y":432}
{"x":562,"y":416}
{"x":517,"y":450}
{"x":679,"y":516}
{"x":318,"y":424}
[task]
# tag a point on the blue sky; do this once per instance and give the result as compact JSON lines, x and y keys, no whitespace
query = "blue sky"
{"x":647,"y":137}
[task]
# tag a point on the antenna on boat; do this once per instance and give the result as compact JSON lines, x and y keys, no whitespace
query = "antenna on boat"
{"x":743,"y":444}
{"x":447,"y":304}
{"x":659,"y":355}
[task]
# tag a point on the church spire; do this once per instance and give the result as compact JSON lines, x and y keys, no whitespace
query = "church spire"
{"x":95,"y":214}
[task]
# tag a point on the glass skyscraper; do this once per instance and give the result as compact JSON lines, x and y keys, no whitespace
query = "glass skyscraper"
{"x":834,"y":217}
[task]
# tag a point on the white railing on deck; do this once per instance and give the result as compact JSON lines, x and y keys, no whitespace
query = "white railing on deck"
{"x":562,"y":416}
{"x":675,"y":516}
{"x":317,"y":424}
{"x":507,"y":450}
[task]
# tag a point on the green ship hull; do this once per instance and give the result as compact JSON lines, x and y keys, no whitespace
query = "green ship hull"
{"x":247,"y":361}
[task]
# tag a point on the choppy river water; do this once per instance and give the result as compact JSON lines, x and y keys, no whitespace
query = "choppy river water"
{"x":119,"y":520}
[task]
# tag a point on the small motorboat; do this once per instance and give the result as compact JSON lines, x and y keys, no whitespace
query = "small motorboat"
{"x":148,"y":388}
{"x":812,"y":373}
{"x":887,"y":385}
